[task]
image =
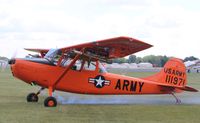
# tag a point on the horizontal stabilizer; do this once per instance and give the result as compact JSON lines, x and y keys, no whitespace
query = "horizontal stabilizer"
{"x":187,"y":88}
{"x":172,"y":88}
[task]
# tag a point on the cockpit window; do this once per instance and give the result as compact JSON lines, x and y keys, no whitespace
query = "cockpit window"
{"x":68,"y":58}
{"x":53,"y":55}
{"x":90,"y":66}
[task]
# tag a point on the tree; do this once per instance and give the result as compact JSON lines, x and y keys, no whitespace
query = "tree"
{"x":164,"y":59}
{"x":190,"y":58}
{"x":155,"y":60}
{"x":138,"y":60}
{"x":158,"y":61}
{"x":119,"y":60}
{"x":3,"y":58}
{"x":132,"y":59}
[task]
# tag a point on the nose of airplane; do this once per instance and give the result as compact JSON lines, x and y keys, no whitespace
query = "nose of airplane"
{"x":11,"y":61}
{"x":22,"y":69}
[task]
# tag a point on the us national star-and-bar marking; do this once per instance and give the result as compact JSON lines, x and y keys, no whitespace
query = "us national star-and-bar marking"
{"x":99,"y":81}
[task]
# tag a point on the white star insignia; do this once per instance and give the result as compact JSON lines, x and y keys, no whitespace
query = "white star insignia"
{"x":99,"y":81}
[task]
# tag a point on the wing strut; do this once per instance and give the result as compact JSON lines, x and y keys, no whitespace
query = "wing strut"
{"x":67,"y":69}
{"x":64,"y":72}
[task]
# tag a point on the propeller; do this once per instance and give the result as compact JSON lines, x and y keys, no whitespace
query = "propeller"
{"x":12,"y":59}
{"x":14,"y":54}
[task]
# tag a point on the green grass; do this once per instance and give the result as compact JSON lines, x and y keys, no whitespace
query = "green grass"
{"x":15,"y":109}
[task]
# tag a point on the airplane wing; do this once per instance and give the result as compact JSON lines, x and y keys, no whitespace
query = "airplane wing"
{"x":106,"y":49}
{"x":112,"y":48}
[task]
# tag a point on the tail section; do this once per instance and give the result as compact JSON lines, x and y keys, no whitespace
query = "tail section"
{"x":173,"y":75}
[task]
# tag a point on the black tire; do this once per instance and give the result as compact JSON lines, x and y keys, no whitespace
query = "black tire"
{"x":32,"y":97}
{"x":50,"y":102}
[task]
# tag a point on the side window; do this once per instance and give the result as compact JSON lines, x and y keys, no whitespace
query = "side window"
{"x":77,"y":65}
{"x":65,"y":61}
{"x":90,"y":66}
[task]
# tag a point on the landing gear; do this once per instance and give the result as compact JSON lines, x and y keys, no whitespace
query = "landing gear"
{"x":50,"y":102}
{"x":178,"y":101}
{"x":32,"y":97}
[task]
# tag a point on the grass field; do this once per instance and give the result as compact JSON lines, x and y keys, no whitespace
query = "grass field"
{"x":15,"y":109}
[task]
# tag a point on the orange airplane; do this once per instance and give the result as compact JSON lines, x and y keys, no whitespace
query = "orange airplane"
{"x":78,"y":69}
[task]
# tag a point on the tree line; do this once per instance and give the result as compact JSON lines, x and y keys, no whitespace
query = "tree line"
{"x":157,"y":61}
{"x":3,"y":58}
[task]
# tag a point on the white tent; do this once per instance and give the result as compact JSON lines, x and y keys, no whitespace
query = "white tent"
{"x":133,"y":65}
{"x":192,"y":63}
{"x":145,"y":65}
{"x":129,"y":66}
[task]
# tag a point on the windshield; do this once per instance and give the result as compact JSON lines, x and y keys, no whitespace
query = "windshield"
{"x":53,"y":55}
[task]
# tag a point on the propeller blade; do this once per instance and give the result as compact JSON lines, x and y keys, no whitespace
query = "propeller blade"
{"x":14,"y":55}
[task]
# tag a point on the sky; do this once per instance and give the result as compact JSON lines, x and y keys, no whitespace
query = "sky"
{"x":171,"y":26}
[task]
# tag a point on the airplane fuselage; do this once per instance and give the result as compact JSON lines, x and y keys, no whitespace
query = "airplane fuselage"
{"x":84,"y":81}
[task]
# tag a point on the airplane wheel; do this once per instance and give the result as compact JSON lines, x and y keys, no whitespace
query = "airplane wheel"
{"x":32,"y":97}
{"x":50,"y":102}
